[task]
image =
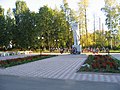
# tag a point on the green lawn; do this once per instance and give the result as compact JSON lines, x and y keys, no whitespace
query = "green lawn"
{"x":115,"y":51}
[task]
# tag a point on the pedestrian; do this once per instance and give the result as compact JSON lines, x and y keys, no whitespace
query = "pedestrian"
{"x":61,"y":50}
{"x":97,"y":50}
{"x":107,"y":51}
{"x":94,"y":51}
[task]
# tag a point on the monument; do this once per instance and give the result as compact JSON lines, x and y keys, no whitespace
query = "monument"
{"x":76,"y":36}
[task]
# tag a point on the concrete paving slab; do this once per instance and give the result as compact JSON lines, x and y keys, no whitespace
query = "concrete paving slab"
{"x":61,"y":67}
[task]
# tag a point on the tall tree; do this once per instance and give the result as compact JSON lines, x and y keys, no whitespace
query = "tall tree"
{"x":1,"y":11}
{"x":82,"y":18}
{"x":52,"y":25}
{"x":71,"y":17}
{"x":62,"y":29}
{"x":110,"y":2}
{"x":21,"y":7}
{"x":44,"y":24}
{"x":2,"y":27}
{"x":118,"y":35}
{"x":24,"y":33}
{"x":10,"y":22}
{"x":112,"y":16}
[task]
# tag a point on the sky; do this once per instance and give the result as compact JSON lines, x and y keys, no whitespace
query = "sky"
{"x":93,"y":9}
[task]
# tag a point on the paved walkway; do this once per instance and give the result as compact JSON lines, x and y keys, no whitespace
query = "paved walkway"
{"x":16,"y":56}
{"x":25,"y":55}
{"x":22,"y":83}
{"x":117,"y":55}
{"x":60,"y":67}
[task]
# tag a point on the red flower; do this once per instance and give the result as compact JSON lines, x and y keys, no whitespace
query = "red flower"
{"x":104,"y":65}
{"x":97,"y":65}
{"x":93,"y":65}
{"x":111,"y":66}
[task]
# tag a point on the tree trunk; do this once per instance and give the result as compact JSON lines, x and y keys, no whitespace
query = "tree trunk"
{"x":86,"y":28}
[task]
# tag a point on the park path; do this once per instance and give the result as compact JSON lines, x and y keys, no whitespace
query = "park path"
{"x":116,"y":55}
{"x":59,"y":67}
{"x":16,"y":56}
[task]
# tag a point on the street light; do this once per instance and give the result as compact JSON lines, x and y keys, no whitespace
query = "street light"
{"x":56,"y":42}
{"x":39,"y":46}
{"x":42,"y":41}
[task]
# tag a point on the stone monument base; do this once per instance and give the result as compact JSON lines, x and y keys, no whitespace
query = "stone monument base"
{"x":76,"y":49}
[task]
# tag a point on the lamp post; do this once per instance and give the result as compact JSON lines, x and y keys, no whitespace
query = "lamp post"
{"x":111,"y":41}
{"x":56,"y":41}
{"x":39,"y":46}
{"x":42,"y":41}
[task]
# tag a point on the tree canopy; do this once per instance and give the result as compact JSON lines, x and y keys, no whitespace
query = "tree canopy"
{"x":51,"y":28}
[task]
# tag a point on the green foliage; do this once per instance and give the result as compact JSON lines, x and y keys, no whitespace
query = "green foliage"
{"x":52,"y":25}
{"x":23,"y":27}
{"x":3,"y":30}
{"x":82,"y":18}
{"x":112,"y":10}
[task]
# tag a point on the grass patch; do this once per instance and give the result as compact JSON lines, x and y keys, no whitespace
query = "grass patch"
{"x":19,"y":61}
{"x":101,"y":63}
{"x":115,"y":51}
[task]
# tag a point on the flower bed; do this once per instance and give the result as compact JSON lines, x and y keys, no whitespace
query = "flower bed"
{"x":101,"y":63}
{"x":18,"y":61}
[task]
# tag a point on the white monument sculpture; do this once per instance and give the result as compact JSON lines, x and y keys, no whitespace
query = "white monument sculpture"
{"x":76,"y":36}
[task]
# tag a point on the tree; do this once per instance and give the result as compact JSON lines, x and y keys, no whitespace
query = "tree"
{"x":112,"y":17}
{"x":10,"y":22}
{"x":26,"y":29}
{"x":2,"y":28}
{"x":25,"y":22}
{"x":61,"y":28}
{"x":82,"y":18}
{"x":71,"y":17}
{"x":44,"y":25}
{"x":110,"y":2}
{"x":52,"y":25}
